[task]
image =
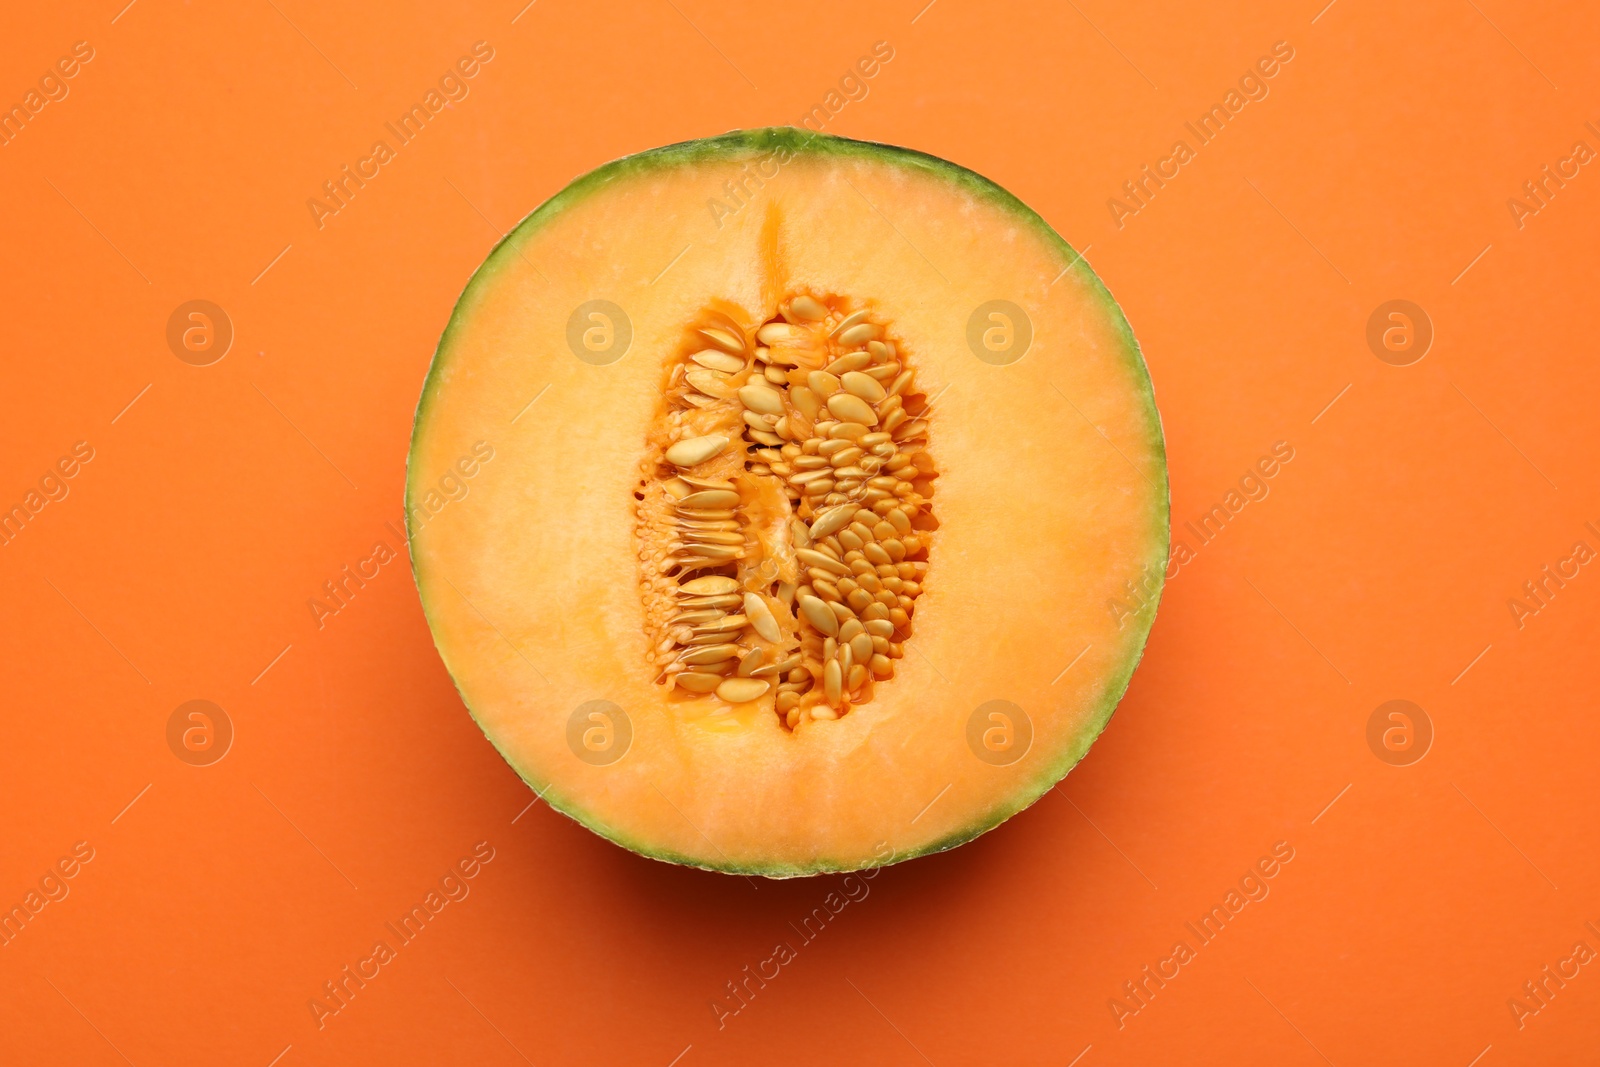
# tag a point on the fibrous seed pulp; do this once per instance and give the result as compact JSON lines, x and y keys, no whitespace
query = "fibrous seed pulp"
{"x":784,"y":513}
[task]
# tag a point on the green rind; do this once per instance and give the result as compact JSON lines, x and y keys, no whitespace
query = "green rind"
{"x":771,"y":139}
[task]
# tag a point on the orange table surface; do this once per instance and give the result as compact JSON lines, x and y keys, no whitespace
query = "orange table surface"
{"x":1351,"y":880}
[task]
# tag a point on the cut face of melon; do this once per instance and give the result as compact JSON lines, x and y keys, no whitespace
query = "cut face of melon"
{"x":827,"y":510}
{"x":785,"y":514}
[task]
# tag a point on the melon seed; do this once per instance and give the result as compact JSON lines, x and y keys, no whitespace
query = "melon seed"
{"x":742,"y":690}
{"x":709,"y":537}
{"x":822,"y":383}
{"x":779,"y":668}
{"x":714,"y":551}
{"x":833,"y":682}
{"x":852,"y":409}
{"x":806,"y":308}
{"x":806,"y":400}
{"x":705,"y":483}
{"x":722,"y":625}
{"x":711,"y":654}
{"x":863,"y":386}
{"x":845,"y":456}
{"x":712,"y":383}
{"x":692,"y":451}
{"x":722,"y":339}
{"x":849,"y":321}
{"x":818,"y":614}
{"x":777,"y":333}
{"x":712,"y":585}
{"x":761,"y":618}
{"x":848,"y":362}
{"x":762,"y":399}
{"x":710,"y":498}
{"x":812,"y":558}
{"x":859,"y":333}
{"x":698,"y":681}
{"x":832,"y":521}
{"x":719,"y":361}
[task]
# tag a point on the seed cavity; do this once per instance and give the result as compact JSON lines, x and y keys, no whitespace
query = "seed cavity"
{"x":784,"y":514}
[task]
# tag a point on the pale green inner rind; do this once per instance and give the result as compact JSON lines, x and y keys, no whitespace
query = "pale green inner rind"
{"x":742,"y":143}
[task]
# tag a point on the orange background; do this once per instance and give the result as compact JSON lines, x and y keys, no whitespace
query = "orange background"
{"x":1379,"y":567}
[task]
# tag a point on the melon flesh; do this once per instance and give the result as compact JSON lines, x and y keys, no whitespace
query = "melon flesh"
{"x":1043,"y":535}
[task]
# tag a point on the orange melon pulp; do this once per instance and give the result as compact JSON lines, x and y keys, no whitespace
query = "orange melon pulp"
{"x":918,"y":677}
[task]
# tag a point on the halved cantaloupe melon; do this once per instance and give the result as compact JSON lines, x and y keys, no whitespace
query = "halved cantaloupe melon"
{"x":784,"y":504}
